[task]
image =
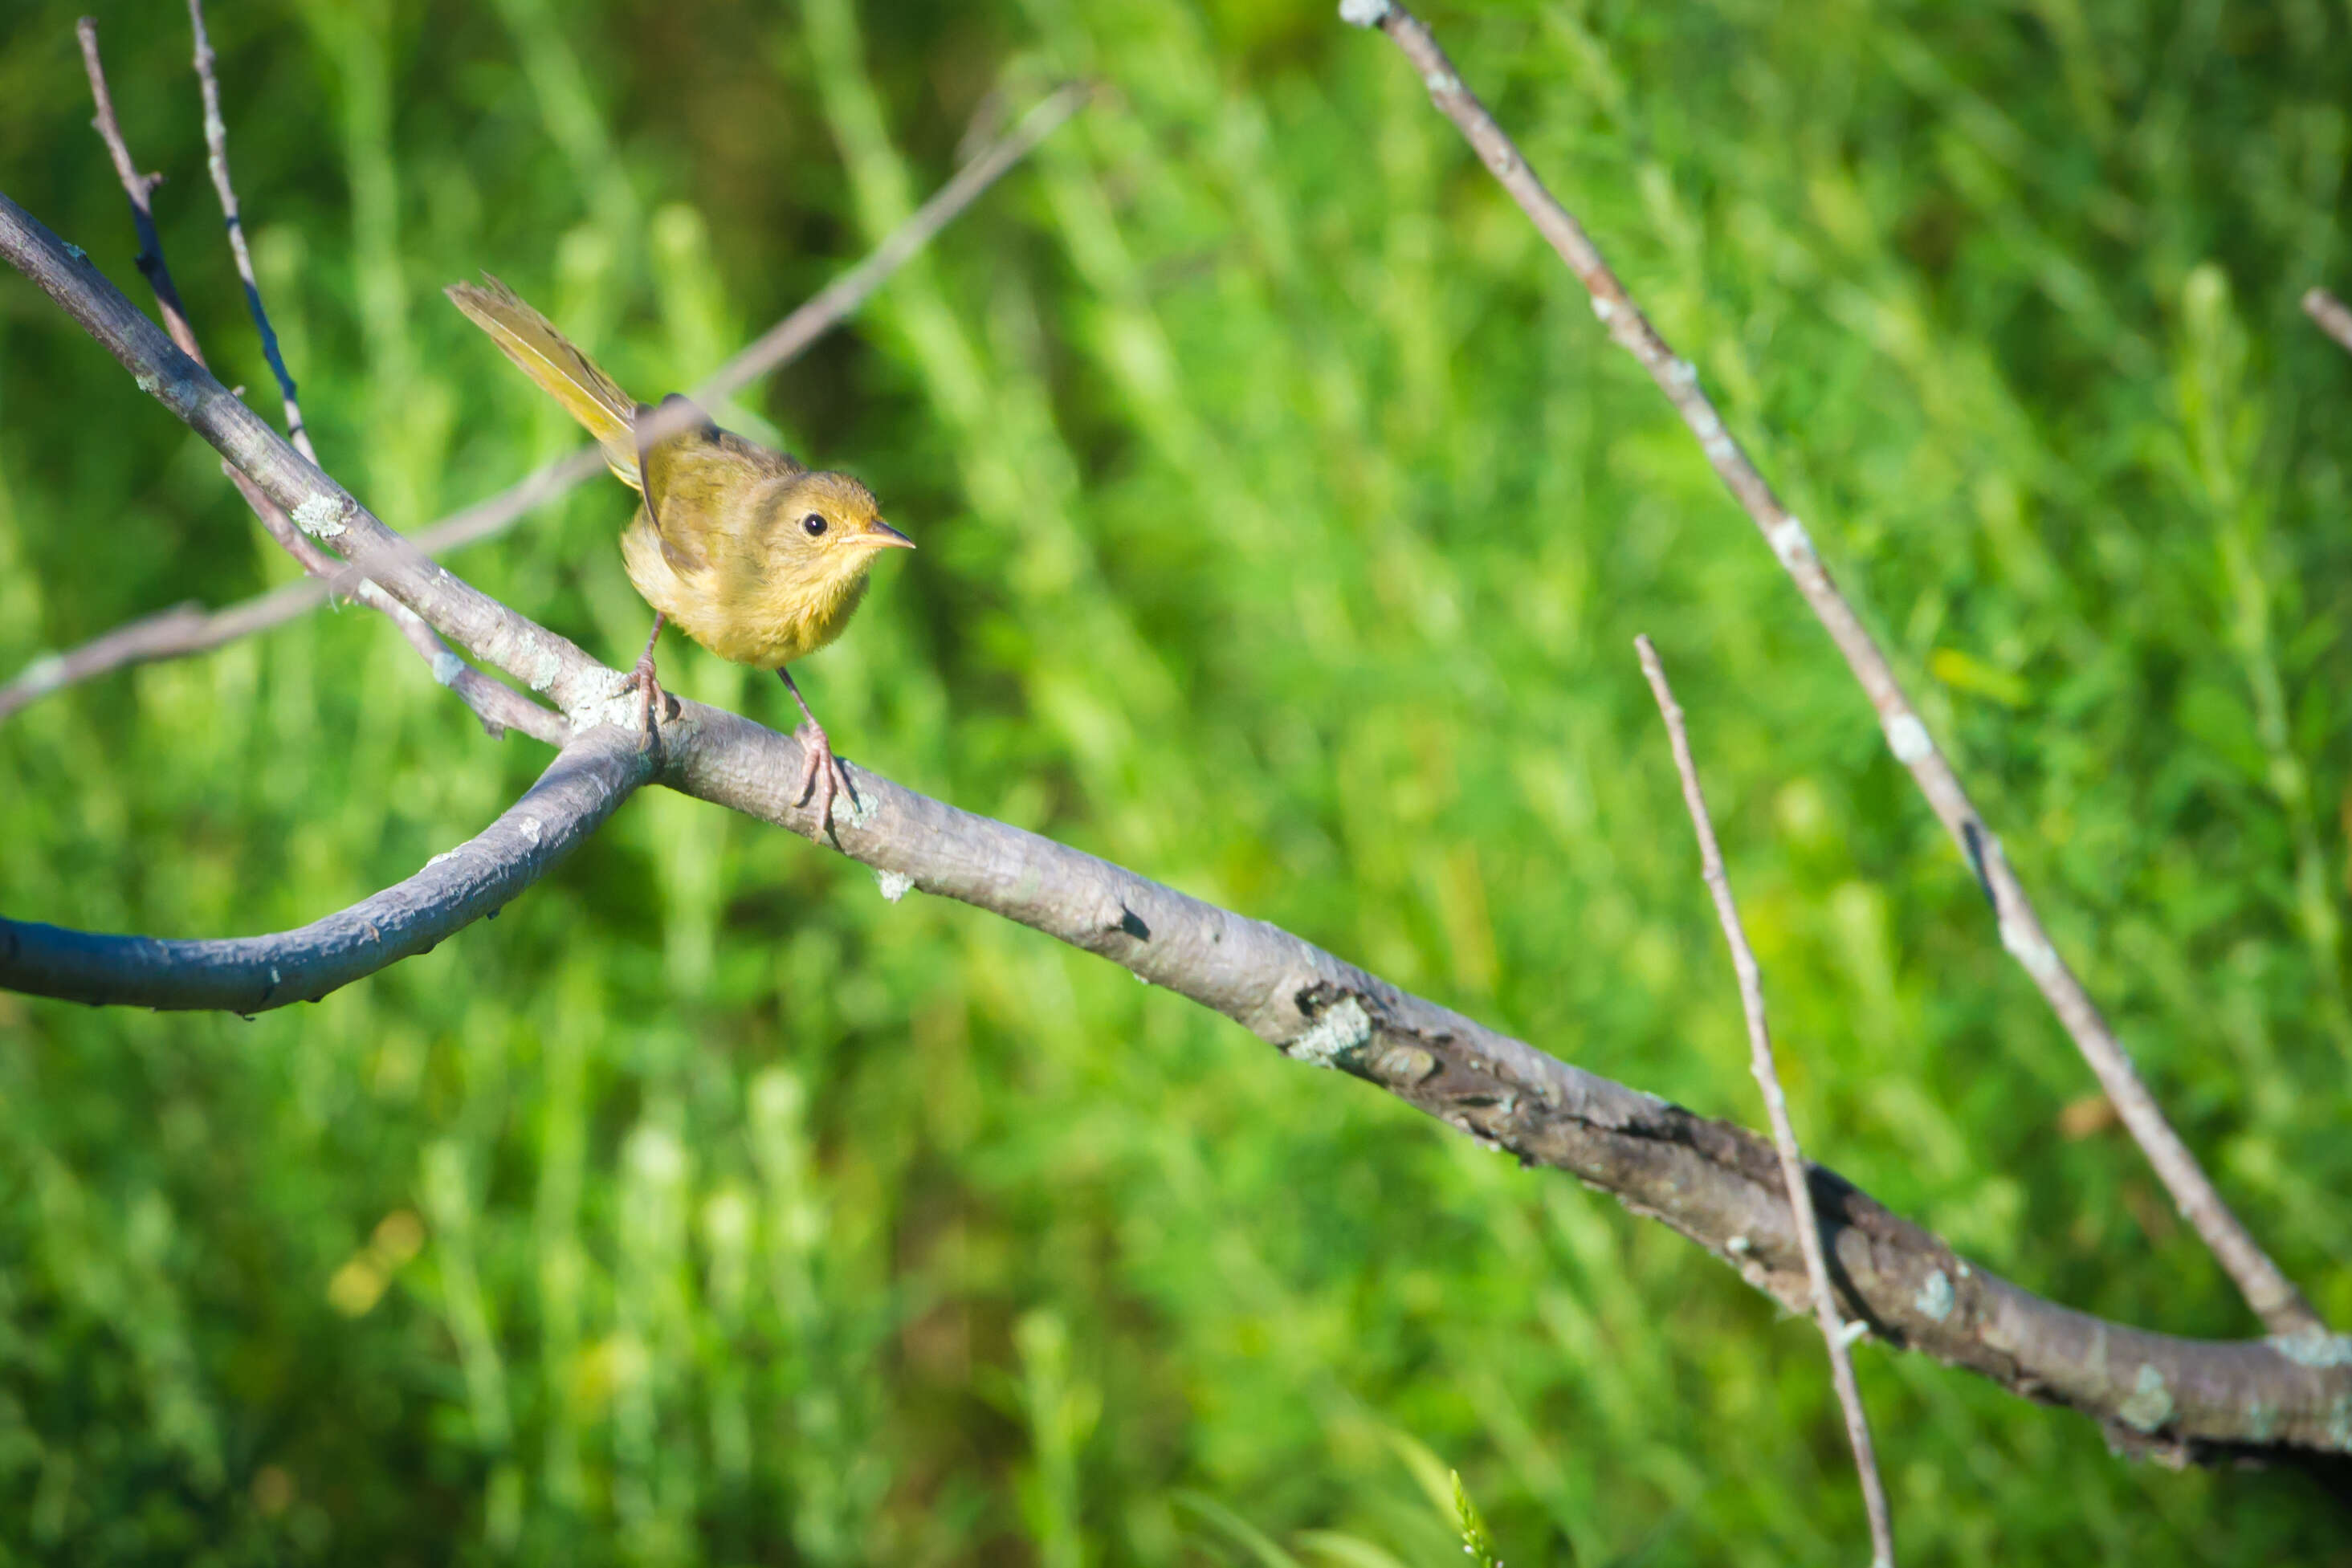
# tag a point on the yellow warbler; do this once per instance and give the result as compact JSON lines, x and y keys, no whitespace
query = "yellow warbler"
{"x":755,"y":556}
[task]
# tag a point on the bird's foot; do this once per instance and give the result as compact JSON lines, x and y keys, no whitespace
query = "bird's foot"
{"x":822,"y":774}
{"x":651,"y":699}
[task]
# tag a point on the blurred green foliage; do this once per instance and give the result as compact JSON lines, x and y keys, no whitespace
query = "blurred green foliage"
{"x":1286,"y":522}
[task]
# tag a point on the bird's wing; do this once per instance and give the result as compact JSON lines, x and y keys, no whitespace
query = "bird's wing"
{"x":688,"y":474}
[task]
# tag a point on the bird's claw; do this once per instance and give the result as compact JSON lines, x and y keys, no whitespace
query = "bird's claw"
{"x":822,"y":774}
{"x":651,"y":699}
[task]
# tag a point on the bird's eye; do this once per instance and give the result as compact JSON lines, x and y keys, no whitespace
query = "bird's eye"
{"x":812,"y":525}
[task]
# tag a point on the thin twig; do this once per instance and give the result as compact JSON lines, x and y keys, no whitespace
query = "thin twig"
{"x":158,"y":636}
{"x":1807,"y":1223}
{"x":2334,"y":317}
{"x":139,"y":187}
{"x":486,"y":520}
{"x":499,"y":706}
{"x":845,"y":294}
{"x":216,"y":158}
{"x":2274,"y":1298}
{"x":1712,"y":1181}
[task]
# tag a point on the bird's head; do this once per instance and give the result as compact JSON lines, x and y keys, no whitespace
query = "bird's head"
{"x":828,"y":526}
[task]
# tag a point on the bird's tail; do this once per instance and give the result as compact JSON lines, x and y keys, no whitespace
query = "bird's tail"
{"x":548,"y":356}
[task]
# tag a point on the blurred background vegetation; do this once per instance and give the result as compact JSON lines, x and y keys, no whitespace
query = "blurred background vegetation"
{"x":1286,"y":521}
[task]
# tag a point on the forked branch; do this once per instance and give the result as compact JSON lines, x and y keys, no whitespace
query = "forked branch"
{"x":499,"y":707}
{"x":2266,"y":1288}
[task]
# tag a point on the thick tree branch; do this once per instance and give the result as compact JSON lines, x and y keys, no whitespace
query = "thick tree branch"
{"x":1712,"y":1181}
{"x":1807,"y":1224}
{"x":187,"y":629}
{"x":1715,"y":1181}
{"x":2274,"y":1298}
{"x":589,"y":779}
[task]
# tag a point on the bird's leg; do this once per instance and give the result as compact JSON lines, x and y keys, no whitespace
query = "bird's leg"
{"x":821,"y":770}
{"x":649,"y":691}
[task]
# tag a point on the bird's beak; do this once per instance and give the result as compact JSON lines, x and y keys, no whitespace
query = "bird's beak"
{"x":882,"y":536}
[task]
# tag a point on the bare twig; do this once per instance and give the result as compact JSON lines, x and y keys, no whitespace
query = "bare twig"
{"x":187,"y":633}
{"x":2274,"y":1298}
{"x":216,"y":158}
{"x":587,"y":781}
{"x":845,"y":294}
{"x":2334,"y":317}
{"x":1712,"y":1181}
{"x":158,"y":636}
{"x":139,"y":187}
{"x":1806,"y":1223}
{"x":499,"y":707}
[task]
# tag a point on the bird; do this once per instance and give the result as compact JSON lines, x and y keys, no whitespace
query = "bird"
{"x":748,"y":551}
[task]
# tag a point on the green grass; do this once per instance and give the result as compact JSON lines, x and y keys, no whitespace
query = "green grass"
{"x":1286,"y":522}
